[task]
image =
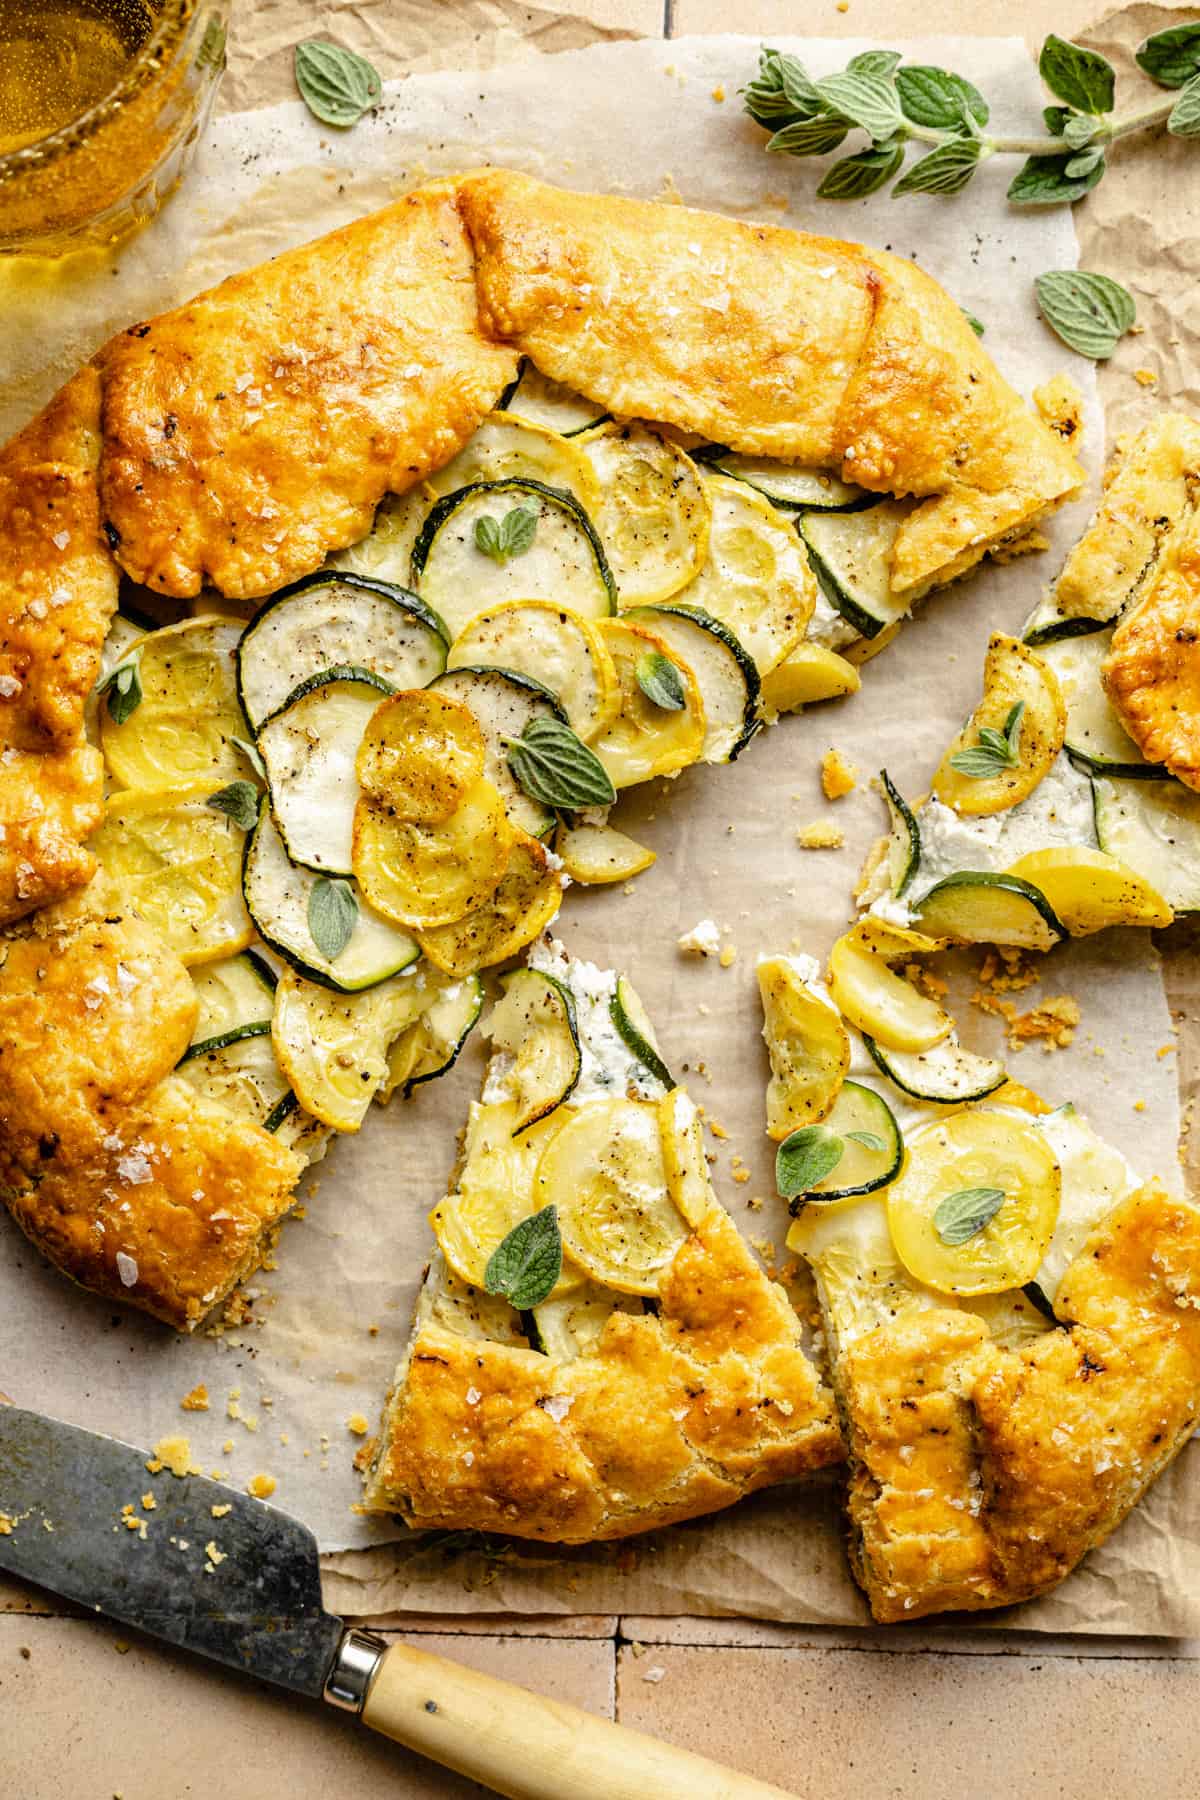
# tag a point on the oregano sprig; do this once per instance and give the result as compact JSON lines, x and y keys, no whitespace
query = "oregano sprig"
{"x":993,"y":751}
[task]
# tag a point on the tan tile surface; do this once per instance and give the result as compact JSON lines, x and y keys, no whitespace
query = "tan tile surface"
{"x":880,"y":19}
{"x":962,"y":1640}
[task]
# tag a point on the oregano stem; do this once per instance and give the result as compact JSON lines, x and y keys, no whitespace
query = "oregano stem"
{"x":1054,"y":146}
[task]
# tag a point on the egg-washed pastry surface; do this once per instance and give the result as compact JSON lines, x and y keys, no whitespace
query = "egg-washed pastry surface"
{"x":1011,"y":1315}
{"x":1067,"y":802}
{"x":595,"y":1351}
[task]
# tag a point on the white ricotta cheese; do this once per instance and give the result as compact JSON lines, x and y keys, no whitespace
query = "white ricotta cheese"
{"x":827,"y":626}
{"x":609,"y":1068}
{"x":704,"y":939}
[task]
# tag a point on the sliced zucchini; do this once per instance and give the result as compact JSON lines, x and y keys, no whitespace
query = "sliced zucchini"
{"x":652,"y":512}
{"x":503,"y":702}
{"x":278,"y":894}
{"x":535,"y":397}
{"x":518,"y":910}
{"x":329,"y":621}
{"x":235,"y":998}
{"x":189,"y":714}
{"x":1090,"y":890}
{"x":424,"y":876}
{"x":505,"y":447}
{"x":862,"y":1131}
{"x":178,"y":861}
{"x":386,"y":551}
{"x":851,"y":557}
{"x":980,"y":907}
{"x":571,"y":1326}
{"x":495,"y":1191}
{"x":124,"y":636}
{"x":683,"y":1157}
{"x":596,"y":855}
{"x":904,"y":845}
{"x":755,"y":578}
{"x":1022,"y":707}
{"x":240,"y":1071}
{"x":332,"y":1048}
{"x":645,"y":740}
{"x":946,"y":1072}
{"x":809,"y":673}
{"x":1153,"y":827}
{"x":1048,"y":624}
{"x":725,"y":674}
{"x":1095,"y":1177}
{"x":861,"y":1281}
{"x":877,"y":1001}
{"x":553,"y":645}
{"x":534,"y":1022}
{"x":807,"y":1043}
{"x":431,"y":1044}
{"x":309,"y":747}
{"x":1095,"y":735}
{"x":788,"y":485}
{"x":297,"y":1129}
{"x":633,"y":1025}
{"x":564,"y":561}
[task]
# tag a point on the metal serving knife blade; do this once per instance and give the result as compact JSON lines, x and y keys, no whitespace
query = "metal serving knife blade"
{"x":66,"y":1499}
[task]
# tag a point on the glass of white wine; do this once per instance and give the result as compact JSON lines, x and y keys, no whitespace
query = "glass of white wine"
{"x":101,"y":104}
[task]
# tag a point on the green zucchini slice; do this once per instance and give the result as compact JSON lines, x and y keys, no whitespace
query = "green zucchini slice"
{"x":977,"y":907}
{"x":1154,"y":829}
{"x":564,"y":561}
{"x":872,"y":1147}
{"x":756,"y":578}
{"x":277,"y":893}
{"x":535,"y":397}
{"x":535,"y":1022}
{"x":236,"y":997}
{"x":790,"y":486}
{"x":851,"y":557}
{"x":431,"y":1044}
{"x":385,"y":554}
{"x":332,"y":620}
{"x":725,"y":674}
{"x":570,"y":1326}
{"x":946,"y":1073}
{"x":242,"y":1074}
{"x":904,"y":845}
{"x":1095,"y":735}
{"x":309,"y":747}
{"x":636,"y":1032}
{"x":1048,"y":624}
{"x":503,"y":703}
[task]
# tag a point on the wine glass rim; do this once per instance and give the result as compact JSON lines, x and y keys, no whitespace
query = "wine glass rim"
{"x":174,"y":15}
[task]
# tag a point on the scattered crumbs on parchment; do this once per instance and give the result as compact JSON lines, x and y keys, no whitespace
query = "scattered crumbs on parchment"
{"x":196,"y":1401}
{"x":918,"y":976}
{"x":359,"y":1424}
{"x":233,"y":1410}
{"x":1139,"y":1106}
{"x":717,"y":1129}
{"x":728,"y":956}
{"x":755,"y":1203}
{"x":1145,"y":377}
{"x":1052,"y":1022}
{"x":820,"y":836}
{"x":838,"y":777}
{"x":149,"y":1503}
{"x":261,"y":1487}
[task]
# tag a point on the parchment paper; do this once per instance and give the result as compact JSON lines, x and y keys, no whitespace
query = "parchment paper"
{"x":634,"y":118}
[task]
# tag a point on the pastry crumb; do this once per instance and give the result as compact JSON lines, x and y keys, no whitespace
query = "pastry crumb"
{"x":820,"y":836}
{"x":359,"y":1424}
{"x":218,"y":1512}
{"x":214,"y":1555}
{"x":196,"y":1401}
{"x":261,"y":1486}
{"x":1145,"y":377}
{"x":1052,"y":1022}
{"x":728,"y":956}
{"x":838,"y":777}
{"x":175,"y":1455}
{"x":718,"y":95}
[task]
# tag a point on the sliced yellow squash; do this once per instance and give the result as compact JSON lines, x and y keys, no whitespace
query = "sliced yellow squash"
{"x":333,"y":1047}
{"x":1089,"y":890}
{"x":534,"y":1021}
{"x":808,"y":1045}
{"x":518,"y":909}
{"x":652,"y":513}
{"x":594,"y":855}
{"x":183,"y":727}
{"x":420,"y":754}
{"x":809,"y":673}
{"x":881,"y":1003}
{"x":495,"y":1191}
{"x":605,"y":1173}
{"x":178,"y":861}
{"x":975,"y":1207}
{"x":645,"y":740}
{"x":386,"y":551}
{"x":863,"y":649}
{"x":1022,"y":701}
{"x":756,"y":578}
{"x":505,"y":446}
{"x":683,"y":1157}
{"x":423,"y":876}
{"x":558,"y":647}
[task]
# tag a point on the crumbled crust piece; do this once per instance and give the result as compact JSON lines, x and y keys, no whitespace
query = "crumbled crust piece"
{"x":838,"y":777}
{"x":1052,"y":1022}
{"x":261,"y":1487}
{"x":820,"y":836}
{"x":196,"y":1401}
{"x":175,"y":1455}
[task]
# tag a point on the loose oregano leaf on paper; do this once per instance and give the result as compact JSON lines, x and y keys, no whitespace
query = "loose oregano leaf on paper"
{"x":994,"y":751}
{"x":557,"y":769}
{"x":510,"y":536}
{"x":122,"y":689}
{"x":336,"y":85}
{"x":525,"y":1265}
{"x":963,"y":1215}
{"x":1089,"y":312}
{"x":332,"y":916}
{"x":239,"y":802}
{"x":809,"y":137}
{"x":660,"y":681}
{"x":806,"y":1157}
{"x":1172,"y":57}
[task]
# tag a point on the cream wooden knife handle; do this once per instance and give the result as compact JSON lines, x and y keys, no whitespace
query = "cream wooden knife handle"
{"x":531,"y":1748}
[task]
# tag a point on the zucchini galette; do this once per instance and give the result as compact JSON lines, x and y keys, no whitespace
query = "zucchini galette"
{"x":1067,"y":802}
{"x":1012,"y":1319}
{"x":595,"y":1350}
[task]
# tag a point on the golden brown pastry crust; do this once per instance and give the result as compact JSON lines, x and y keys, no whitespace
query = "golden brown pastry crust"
{"x":255,"y":429}
{"x":118,"y":1171}
{"x":980,"y":1475}
{"x":775,"y":343}
{"x":667,"y":1418}
{"x":1152,"y":671}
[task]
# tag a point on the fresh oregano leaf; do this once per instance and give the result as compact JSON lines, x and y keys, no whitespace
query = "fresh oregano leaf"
{"x":1055,"y":118}
{"x":874,"y":62}
{"x":962,"y":1215}
{"x":239,"y":802}
{"x":1172,"y":57}
{"x":660,"y":681}
{"x":510,"y":536}
{"x":977,"y":325}
{"x":122,"y":688}
{"x":487,"y":537}
{"x":332,"y":916}
{"x":1079,"y":130}
{"x":809,"y":137}
{"x":336,"y":85}
{"x":867,"y":100}
{"x":1083,"y":78}
{"x":994,"y":751}
{"x":1090,"y":313}
{"x":525,"y":1265}
{"x":1043,"y":181}
{"x":252,"y":756}
{"x":935,"y":97}
{"x":1185,"y":114}
{"x":557,"y":769}
{"x":1084,"y":163}
{"x":806,"y":1157}
{"x":945,"y":170}
{"x":854,"y":177}
{"x":781,"y":91}
{"x":870,"y":1140}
